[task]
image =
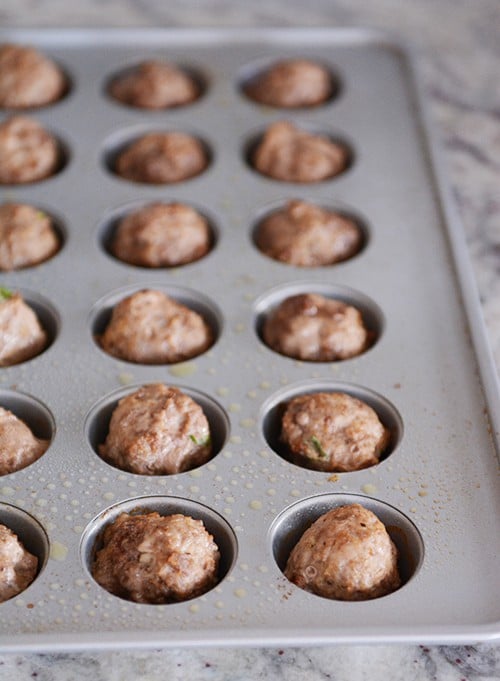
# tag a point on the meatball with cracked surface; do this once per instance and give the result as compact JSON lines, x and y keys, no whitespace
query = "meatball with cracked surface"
{"x":290,"y":154}
{"x":156,"y":559}
{"x":291,"y":83}
{"x":18,"y":446}
{"x":162,"y":158}
{"x":28,"y":78}
{"x":28,"y":153}
{"x":333,"y":432}
{"x":149,"y":327}
{"x":27,"y":236}
{"x":154,"y":84}
{"x":307,"y":235}
{"x":346,"y":554}
{"x":21,"y":334}
{"x":161,"y":235}
{"x":313,"y":328}
{"x":18,"y":567}
{"x":157,"y":430}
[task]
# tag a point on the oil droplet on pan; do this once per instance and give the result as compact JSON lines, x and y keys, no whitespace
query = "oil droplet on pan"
{"x":183,"y":369}
{"x":58,"y":551}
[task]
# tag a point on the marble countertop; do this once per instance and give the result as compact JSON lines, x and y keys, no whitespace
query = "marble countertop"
{"x":458,"y":54}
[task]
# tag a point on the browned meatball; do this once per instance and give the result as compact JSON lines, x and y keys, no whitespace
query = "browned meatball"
{"x":347,"y":555}
{"x":21,"y":335}
{"x":148,"y":327}
{"x":306,"y":235}
{"x":28,"y":153}
{"x":18,"y":446}
{"x":289,"y":154}
{"x":333,"y":432}
{"x":28,"y":78}
{"x":161,"y":235}
{"x":27,"y":236}
{"x":18,"y":566}
{"x":162,"y":158}
{"x":291,"y":83}
{"x":157,"y":430}
{"x":156,"y":559}
{"x":154,"y":85}
{"x":313,"y":328}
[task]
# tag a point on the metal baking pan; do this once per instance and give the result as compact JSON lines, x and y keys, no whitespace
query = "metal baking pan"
{"x":430,"y":373}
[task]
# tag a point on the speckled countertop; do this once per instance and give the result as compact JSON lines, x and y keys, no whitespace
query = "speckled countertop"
{"x":458,"y":54}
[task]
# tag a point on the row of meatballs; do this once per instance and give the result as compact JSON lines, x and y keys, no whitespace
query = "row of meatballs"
{"x":285,"y":152}
{"x":31,"y":79}
{"x":346,"y":554}
{"x":158,"y":429}
{"x":150,"y":327}
{"x":163,"y":235}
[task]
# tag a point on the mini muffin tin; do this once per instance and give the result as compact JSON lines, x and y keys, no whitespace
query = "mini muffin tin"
{"x":429,"y":373}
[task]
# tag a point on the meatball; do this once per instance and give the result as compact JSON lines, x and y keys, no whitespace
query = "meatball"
{"x":291,"y":83}
{"x":154,"y":85}
{"x":27,"y":236}
{"x":313,"y":328}
{"x":28,"y":153}
{"x":347,"y":555}
{"x":28,"y":78}
{"x":306,"y":235}
{"x":161,"y":235}
{"x":21,"y":335}
{"x":162,"y":158}
{"x":289,"y":154}
{"x":156,"y":559}
{"x":333,"y":432}
{"x":18,"y":567}
{"x":148,"y":327}
{"x":18,"y":446}
{"x":157,"y":430}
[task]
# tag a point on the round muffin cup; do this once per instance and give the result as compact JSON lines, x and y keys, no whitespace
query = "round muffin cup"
{"x":273,"y":408}
{"x":29,"y":532}
{"x":252,"y":71}
{"x":254,"y":138}
{"x":194,"y":72}
{"x":29,"y":409}
{"x":215,"y":524}
{"x":289,"y":526}
{"x":34,"y":414}
{"x":108,"y":225}
{"x":64,"y":157}
{"x":335,"y":207}
{"x":96,"y":425}
{"x":102,"y":310}
{"x":120,"y":140}
{"x":47,"y":314}
{"x":66,"y":93}
{"x":371,"y":313}
{"x":58,"y":224}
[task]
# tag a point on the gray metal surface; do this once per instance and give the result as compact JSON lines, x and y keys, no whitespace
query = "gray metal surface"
{"x":438,"y":489}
